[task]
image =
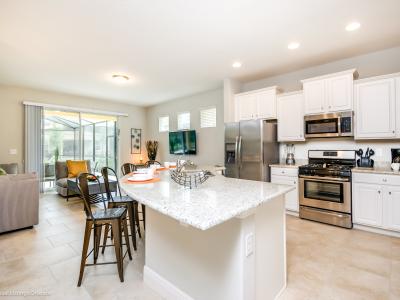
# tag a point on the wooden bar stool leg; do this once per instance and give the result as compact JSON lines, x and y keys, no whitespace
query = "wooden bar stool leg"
{"x":126,"y":235}
{"x":105,"y":237}
{"x":144,"y":216}
{"x":137,"y":219}
{"x":96,"y":241}
{"x":132,"y":221}
{"x":86,"y":239}
{"x":116,"y":230}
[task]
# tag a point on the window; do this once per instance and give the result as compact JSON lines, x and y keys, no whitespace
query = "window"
{"x":163,"y":124}
{"x":184,"y":120}
{"x":208,"y":117}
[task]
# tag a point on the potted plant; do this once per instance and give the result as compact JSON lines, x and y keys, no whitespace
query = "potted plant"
{"x":152,"y":147}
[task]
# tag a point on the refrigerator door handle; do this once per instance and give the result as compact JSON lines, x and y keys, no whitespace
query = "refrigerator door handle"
{"x":240,"y":150}
{"x":236,"y":149}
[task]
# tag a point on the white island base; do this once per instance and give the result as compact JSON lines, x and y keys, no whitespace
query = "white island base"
{"x":242,"y":258}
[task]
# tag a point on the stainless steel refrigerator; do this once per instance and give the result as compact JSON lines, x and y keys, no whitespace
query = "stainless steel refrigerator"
{"x":250,"y":146}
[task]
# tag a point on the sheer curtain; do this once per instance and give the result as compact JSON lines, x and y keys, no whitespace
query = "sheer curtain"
{"x":34,"y":141}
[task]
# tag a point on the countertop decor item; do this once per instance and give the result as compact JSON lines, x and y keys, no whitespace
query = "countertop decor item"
{"x":152,"y":148}
{"x":365,"y":160}
{"x":187,"y":174}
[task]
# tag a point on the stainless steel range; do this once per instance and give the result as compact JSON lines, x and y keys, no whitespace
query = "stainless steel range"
{"x":325,"y":187}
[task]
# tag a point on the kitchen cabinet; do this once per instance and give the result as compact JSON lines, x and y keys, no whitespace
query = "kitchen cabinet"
{"x":329,"y":93}
{"x":290,"y":115}
{"x":288,"y":176}
{"x":367,"y":204}
{"x":258,"y":104}
{"x":376,"y":204}
{"x":375,"y":109}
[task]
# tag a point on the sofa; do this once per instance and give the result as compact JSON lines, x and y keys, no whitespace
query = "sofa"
{"x":61,"y":171}
{"x":19,"y":201}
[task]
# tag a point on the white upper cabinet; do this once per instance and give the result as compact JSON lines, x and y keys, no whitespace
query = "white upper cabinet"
{"x":329,"y":93}
{"x":258,"y":104}
{"x":375,"y":109}
{"x":246,"y":106}
{"x":314,"y":97}
{"x":290,"y":114}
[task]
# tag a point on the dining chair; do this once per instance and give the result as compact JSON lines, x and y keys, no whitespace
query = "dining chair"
{"x":114,"y":218}
{"x":151,"y":162}
{"x":127,"y":168}
{"x":118,"y":200}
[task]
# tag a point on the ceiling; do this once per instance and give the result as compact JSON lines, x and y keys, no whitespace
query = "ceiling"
{"x":179,"y":47}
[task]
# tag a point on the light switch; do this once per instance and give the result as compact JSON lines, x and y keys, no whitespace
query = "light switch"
{"x":249,"y":244}
{"x":12,"y":151}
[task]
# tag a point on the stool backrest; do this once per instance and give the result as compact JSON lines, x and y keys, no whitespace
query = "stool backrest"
{"x":83,"y":186}
{"x":152,"y":162}
{"x":106,"y":172}
{"x":127,"y":168}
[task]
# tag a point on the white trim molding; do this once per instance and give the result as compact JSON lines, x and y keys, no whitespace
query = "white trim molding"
{"x":162,"y":286}
{"x":75,"y":109}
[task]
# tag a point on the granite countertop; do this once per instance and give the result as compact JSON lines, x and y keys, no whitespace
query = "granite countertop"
{"x":215,"y":201}
{"x":282,"y":164}
{"x":379,"y":168}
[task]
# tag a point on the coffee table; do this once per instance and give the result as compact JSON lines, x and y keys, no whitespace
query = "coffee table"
{"x":94,"y":188}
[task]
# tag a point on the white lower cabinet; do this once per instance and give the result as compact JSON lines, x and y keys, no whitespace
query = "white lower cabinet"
{"x":291,"y":198}
{"x":376,"y":205}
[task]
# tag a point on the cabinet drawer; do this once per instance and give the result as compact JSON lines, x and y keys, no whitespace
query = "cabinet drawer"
{"x":376,"y":178}
{"x":289,"y":180}
{"x":284,"y":171}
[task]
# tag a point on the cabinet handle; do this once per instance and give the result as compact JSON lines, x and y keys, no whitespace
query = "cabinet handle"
{"x":390,"y":193}
{"x":322,"y":108}
{"x":379,"y":192}
{"x":393,"y":131}
{"x":294,"y":182}
{"x":384,"y":179}
{"x":330,"y":107}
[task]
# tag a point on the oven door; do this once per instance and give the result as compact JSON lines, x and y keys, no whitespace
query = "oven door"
{"x":322,"y":126}
{"x":326,"y":193}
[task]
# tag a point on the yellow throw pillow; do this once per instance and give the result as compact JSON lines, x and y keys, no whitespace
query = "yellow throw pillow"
{"x":75,"y":167}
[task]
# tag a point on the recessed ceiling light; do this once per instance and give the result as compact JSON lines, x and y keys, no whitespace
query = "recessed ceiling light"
{"x":120,"y":78}
{"x":293,"y":45}
{"x":353,"y":26}
{"x":236,"y":64}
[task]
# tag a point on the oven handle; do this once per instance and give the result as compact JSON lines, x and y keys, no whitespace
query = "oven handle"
{"x":325,"y":178}
{"x":335,"y":214}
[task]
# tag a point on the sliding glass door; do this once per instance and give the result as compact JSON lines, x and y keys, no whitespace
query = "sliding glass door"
{"x":75,"y":136}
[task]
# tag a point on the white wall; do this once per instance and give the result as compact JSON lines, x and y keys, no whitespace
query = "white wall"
{"x":210,"y":141}
{"x":372,"y":64}
{"x":12,"y":119}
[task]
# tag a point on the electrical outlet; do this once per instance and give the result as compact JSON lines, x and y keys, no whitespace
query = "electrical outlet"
{"x":12,"y":151}
{"x":249,"y":244}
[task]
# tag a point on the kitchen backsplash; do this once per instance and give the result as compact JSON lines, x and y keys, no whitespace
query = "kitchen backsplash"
{"x":381,"y":148}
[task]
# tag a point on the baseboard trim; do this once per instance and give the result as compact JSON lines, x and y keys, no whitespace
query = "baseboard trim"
{"x":292,"y":213}
{"x":280,"y":292}
{"x":377,"y":230}
{"x":162,"y":286}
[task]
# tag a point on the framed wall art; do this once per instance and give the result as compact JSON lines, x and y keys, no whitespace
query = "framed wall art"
{"x":136,"y":141}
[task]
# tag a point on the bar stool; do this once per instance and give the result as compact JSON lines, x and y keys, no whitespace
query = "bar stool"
{"x":127,"y":168}
{"x":95,"y":220}
{"x":118,"y":200}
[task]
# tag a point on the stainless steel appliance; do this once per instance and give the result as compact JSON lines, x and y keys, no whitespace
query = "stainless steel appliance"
{"x":395,"y":155}
{"x":325,"y":187}
{"x":329,"y":125}
{"x":290,"y":154}
{"x":250,"y":146}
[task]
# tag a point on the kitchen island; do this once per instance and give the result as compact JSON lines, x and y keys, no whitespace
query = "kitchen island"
{"x":222,"y":240}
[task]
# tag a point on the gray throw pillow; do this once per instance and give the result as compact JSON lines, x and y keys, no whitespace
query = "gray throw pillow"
{"x":2,"y":172}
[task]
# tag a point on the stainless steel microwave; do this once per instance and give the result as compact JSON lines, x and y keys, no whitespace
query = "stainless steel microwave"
{"x":329,"y":125}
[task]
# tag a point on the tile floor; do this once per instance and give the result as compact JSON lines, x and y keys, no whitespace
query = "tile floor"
{"x":324,"y":262}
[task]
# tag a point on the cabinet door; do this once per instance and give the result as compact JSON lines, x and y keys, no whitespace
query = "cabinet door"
{"x":247,"y":106}
{"x":375,"y":109}
{"x":290,"y":113}
{"x":314,"y":97}
{"x":340,"y":93}
{"x":291,"y":198}
{"x":266,"y":105}
{"x":367,"y":204}
{"x":391,"y":208}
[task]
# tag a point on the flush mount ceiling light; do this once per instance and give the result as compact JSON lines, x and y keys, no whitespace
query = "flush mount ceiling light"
{"x":293,"y":45}
{"x":353,"y":26}
{"x":236,"y":64}
{"x":119,"y":78}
